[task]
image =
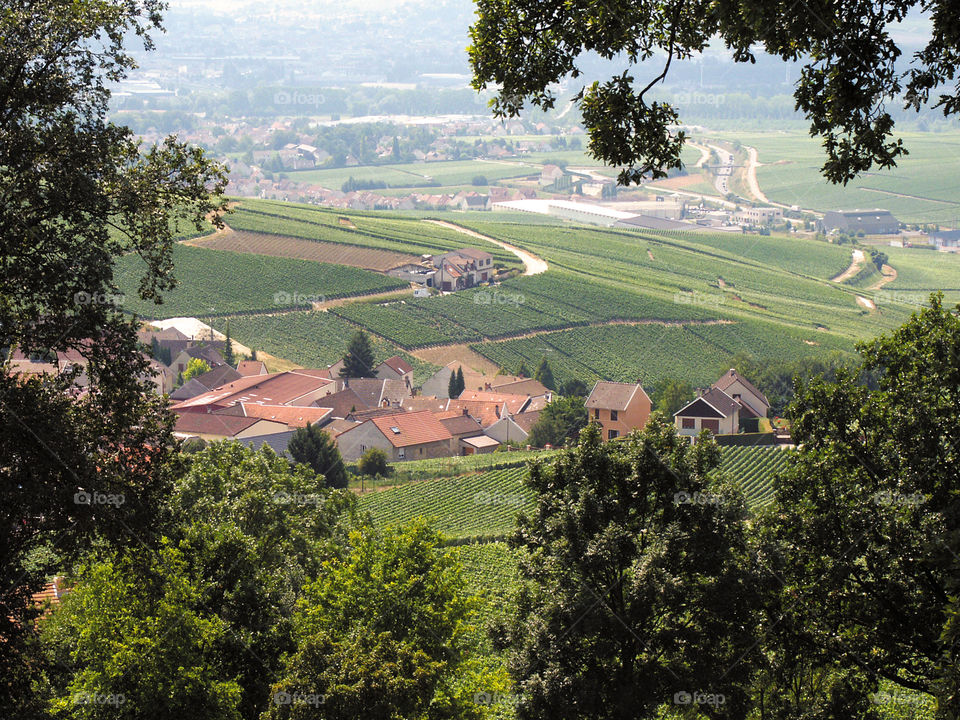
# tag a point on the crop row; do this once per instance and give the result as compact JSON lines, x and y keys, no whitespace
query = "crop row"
{"x":218,"y":282}
{"x":754,"y":468}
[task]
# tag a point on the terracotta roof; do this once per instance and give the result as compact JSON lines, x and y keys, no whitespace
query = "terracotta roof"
{"x":461,"y":425}
{"x":526,"y":386}
{"x":212,"y":424}
{"x":251,"y":367}
{"x":612,"y":395}
{"x":398,"y":364}
{"x":424,"y":402}
{"x":514,"y":403}
{"x":526,"y":420}
{"x":274,"y":389}
{"x":342,"y":403}
{"x":486,"y":412}
{"x":731,"y":376}
{"x":295,"y":417}
{"x":362,"y":415}
{"x":407,"y":429}
{"x":717,"y":399}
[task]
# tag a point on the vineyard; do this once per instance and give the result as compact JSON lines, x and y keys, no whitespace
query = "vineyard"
{"x":486,"y":504}
{"x":490,"y":569}
{"x":406,"y":236}
{"x":217,"y":282}
{"x":291,"y":247}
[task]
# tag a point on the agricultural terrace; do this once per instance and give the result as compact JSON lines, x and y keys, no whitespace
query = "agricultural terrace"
{"x":924,"y":188}
{"x":217,"y":282}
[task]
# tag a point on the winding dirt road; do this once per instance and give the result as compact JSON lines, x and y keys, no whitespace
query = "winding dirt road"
{"x":531,"y":263}
{"x":854,"y":268}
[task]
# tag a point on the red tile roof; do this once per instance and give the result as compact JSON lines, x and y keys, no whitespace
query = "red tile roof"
{"x":295,"y":417}
{"x":274,"y":389}
{"x":251,"y":367}
{"x":513,"y":402}
{"x":398,"y":364}
{"x":416,"y":428}
{"x":213,"y":424}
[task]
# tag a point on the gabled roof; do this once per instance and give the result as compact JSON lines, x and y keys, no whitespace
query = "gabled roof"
{"x":342,"y":403}
{"x":373,"y":391}
{"x":527,"y":386}
{"x":205,"y":352}
{"x":220,"y":375}
{"x":190,"y":389}
{"x":398,"y":365}
{"x":716,"y":399}
{"x":339,"y":426}
{"x":513,"y":402}
{"x":613,"y":395}
{"x":407,"y":429}
{"x":424,"y":402}
{"x":526,"y":420}
{"x":462,"y":425}
{"x":274,"y":389}
{"x":295,"y":417}
{"x":475,"y":253}
{"x":212,"y":424}
{"x":732,"y":376}
{"x":251,"y":367}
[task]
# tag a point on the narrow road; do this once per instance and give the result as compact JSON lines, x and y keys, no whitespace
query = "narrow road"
{"x":889,"y":275}
{"x":704,"y":154}
{"x":531,"y":263}
{"x":752,"y":183}
{"x":725,"y":171}
{"x":854,"y":268}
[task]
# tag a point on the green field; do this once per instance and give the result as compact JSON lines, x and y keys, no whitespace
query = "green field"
{"x":217,"y":282}
{"x":417,"y":175}
{"x":930,"y":174}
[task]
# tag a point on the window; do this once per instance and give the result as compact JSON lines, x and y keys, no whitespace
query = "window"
{"x":613,"y":415}
{"x":596,"y":414}
{"x":612,"y":434}
{"x":421,"y":451}
{"x":401,"y":453}
{"x":689,"y":423}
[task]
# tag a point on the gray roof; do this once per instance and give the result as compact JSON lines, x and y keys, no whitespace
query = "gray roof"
{"x":717,"y":399}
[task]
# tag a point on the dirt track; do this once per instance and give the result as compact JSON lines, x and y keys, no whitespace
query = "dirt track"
{"x":531,"y":263}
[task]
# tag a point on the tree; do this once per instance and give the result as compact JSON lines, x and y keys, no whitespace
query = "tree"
{"x":383,"y":634}
{"x":78,"y":192}
{"x":522,"y":370}
{"x":866,"y":515}
{"x":640,"y":591}
{"x":545,"y":375}
{"x":373,"y":462}
{"x":852,"y":69}
{"x":674,"y":396}
{"x":195,"y":368}
{"x":453,"y":387}
{"x":358,"y":362}
{"x":314,"y":447}
{"x":461,"y":383}
{"x":228,"y":357}
{"x":574,"y":386}
{"x":560,"y":421}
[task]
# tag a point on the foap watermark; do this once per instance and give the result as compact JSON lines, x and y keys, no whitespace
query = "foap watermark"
{"x":696,"y":498}
{"x":699,"y":698}
{"x":509,"y":499}
{"x":495,"y":698}
{"x":296,"y":299}
{"x":284,"y":498}
{"x":695,"y":297}
{"x":298,"y":698}
{"x":88,"y":698}
{"x":887,"y":297}
{"x":699,"y":98}
{"x":498,"y":298}
{"x":890,"y":497}
{"x":296,"y":97}
{"x":885,"y":698}
{"x":97,"y":298}
{"x":92,"y":497}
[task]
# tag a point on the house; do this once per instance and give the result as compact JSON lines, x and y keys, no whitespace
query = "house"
{"x":513,"y":429}
{"x":462,"y":426}
{"x":251,"y":367}
{"x":524,"y":386}
{"x":206,"y":353}
{"x":714,"y":410}
{"x":395,"y":368}
{"x":618,"y":407}
{"x":374,"y":392}
{"x":462,"y":269}
{"x":754,"y":404}
{"x":944,"y":239}
{"x":757,"y":215}
{"x":210,"y":426}
{"x":853,"y":222}
{"x":439,"y":383}
{"x":293,"y":387}
{"x":550,"y":175}
{"x":404,"y":436}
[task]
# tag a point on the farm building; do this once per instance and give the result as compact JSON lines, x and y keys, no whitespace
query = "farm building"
{"x":618,"y":407}
{"x":853,"y":222}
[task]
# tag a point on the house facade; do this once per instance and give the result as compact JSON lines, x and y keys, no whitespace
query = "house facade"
{"x":714,"y":411}
{"x":403,"y":436}
{"x":618,"y":407}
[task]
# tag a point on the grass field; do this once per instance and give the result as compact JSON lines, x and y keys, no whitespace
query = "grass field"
{"x":929,"y":175}
{"x":217,"y":282}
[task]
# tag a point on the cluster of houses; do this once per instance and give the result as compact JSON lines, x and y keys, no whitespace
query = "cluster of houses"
{"x":252,"y":406}
{"x":729,"y":406}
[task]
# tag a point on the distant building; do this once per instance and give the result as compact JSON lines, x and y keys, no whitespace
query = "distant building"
{"x":852,"y":222}
{"x":757,"y":215}
{"x":618,"y":407}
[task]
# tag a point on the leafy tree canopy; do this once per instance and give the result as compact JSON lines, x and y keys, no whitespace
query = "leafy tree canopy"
{"x":560,"y":421}
{"x":852,"y":69}
{"x":195,"y":368}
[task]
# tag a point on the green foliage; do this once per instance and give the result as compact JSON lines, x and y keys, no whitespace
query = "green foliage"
{"x":625,"y":533}
{"x":560,"y":422}
{"x":865,"y":513}
{"x":672,"y":396}
{"x":381,"y":634}
{"x":315,"y":448}
{"x":228,"y":356}
{"x":358,"y":362}
{"x":373,"y":462}
{"x":461,"y":383}
{"x":195,"y":368}
{"x":545,"y":375}
{"x":457,"y":384}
